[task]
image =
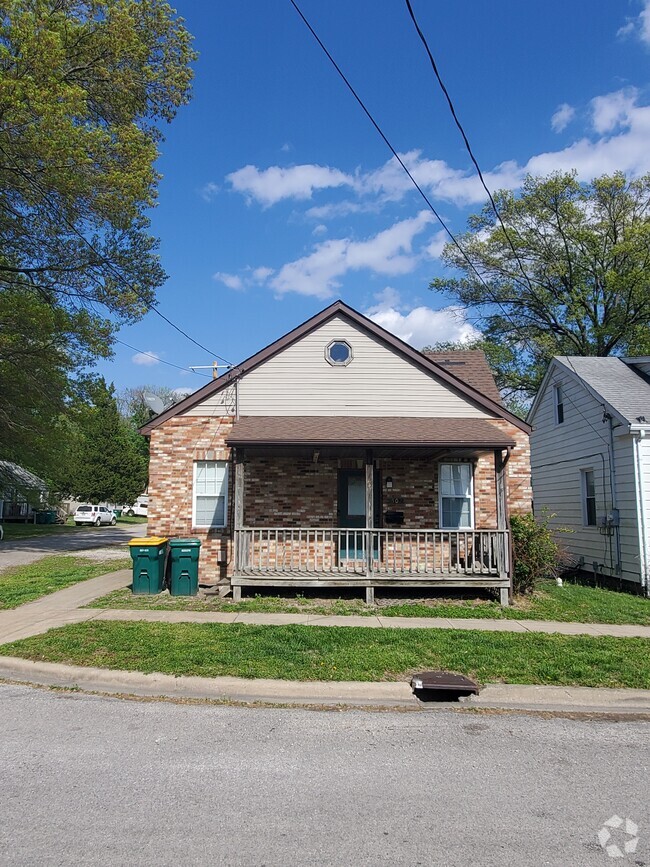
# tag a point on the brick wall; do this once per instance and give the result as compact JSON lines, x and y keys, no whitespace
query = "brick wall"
{"x":174,"y":447}
{"x":294,"y":492}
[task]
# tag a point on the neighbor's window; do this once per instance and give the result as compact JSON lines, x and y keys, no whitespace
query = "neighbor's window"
{"x":339,"y":353}
{"x":559,"y":404}
{"x":210,"y":493}
{"x":588,"y":498}
{"x":455,"y":488}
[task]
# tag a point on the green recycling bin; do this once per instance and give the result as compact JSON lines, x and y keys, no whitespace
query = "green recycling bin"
{"x":184,"y":555}
{"x":148,"y":555}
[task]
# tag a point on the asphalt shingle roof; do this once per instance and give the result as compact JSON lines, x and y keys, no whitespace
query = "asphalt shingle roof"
{"x":620,"y":385}
{"x":471,"y":366}
{"x":362,"y":430}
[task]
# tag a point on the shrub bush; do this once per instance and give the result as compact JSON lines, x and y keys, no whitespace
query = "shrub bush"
{"x":536,"y":555}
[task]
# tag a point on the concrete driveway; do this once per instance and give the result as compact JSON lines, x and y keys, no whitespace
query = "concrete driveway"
{"x":24,"y":551}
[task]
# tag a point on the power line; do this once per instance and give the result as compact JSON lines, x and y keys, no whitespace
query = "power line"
{"x":387,"y":142}
{"x":366,"y":111}
{"x":161,"y":360}
{"x":149,"y":305}
{"x":468,"y":147}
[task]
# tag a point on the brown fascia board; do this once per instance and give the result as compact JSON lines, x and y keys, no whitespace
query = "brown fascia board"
{"x":375,"y":443}
{"x":310,"y":325}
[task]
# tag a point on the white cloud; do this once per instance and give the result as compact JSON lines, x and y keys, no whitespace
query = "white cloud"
{"x":639,"y":25}
{"x":269,"y":186}
{"x":147,"y":359}
{"x":420,"y":326}
{"x":232,"y":281}
{"x":319,"y":273}
{"x":436,"y":245}
{"x":262,"y":274}
{"x":181,"y":392}
{"x":620,"y":124}
{"x":209,"y":191}
{"x":562,"y":117}
{"x":613,"y":109}
{"x":320,"y":229}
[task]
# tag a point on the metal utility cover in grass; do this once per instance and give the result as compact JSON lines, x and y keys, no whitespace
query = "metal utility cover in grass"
{"x":445,"y":681}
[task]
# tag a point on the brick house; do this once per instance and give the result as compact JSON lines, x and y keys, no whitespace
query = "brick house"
{"x":341,"y":456}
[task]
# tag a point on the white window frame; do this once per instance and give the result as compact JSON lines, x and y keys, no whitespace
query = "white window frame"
{"x":558,"y":401}
{"x":471,"y":495}
{"x":583,"y":490}
{"x":194,"y":495}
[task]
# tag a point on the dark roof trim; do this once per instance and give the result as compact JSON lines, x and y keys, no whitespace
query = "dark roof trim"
{"x":310,"y":325}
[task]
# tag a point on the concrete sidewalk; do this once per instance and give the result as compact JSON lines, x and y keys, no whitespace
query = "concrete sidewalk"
{"x":377,"y":622}
{"x":66,"y":606}
{"x":619,"y":702}
{"x":59,"y":608}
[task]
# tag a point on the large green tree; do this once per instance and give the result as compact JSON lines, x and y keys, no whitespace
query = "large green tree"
{"x":104,"y":462}
{"x":569,"y":275}
{"x":84,"y":86}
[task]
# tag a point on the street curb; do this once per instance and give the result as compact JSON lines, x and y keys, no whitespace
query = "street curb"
{"x":358,"y":694}
{"x":232,"y":689}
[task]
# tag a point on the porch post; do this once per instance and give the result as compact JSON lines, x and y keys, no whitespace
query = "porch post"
{"x":370,"y":520}
{"x":238,"y":516}
{"x":502,"y":523}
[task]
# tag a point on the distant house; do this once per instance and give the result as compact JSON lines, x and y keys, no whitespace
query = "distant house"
{"x":590,"y":456}
{"x":21,"y":492}
{"x":341,"y":456}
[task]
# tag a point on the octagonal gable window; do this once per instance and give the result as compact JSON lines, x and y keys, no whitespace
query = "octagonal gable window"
{"x":338,"y":353}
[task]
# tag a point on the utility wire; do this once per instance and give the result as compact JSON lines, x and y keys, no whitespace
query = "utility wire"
{"x":387,"y":142}
{"x":468,"y":147}
{"x":161,"y":360}
{"x":149,"y":305}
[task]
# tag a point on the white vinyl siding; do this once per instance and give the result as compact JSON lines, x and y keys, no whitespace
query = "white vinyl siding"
{"x":456,"y":496}
{"x":210,"y":500}
{"x":559,"y":454}
{"x":376,"y":382}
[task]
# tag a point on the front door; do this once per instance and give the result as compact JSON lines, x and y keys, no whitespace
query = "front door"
{"x":352,"y":510}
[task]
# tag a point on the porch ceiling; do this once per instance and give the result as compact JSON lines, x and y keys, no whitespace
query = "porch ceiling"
{"x":366,"y":432}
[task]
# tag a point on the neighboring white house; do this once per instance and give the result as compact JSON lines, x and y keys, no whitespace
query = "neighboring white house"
{"x":21,"y":492}
{"x":590,"y":457}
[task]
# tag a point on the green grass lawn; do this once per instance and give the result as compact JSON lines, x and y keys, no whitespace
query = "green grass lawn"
{"x":20,"y":584}
{"x":572,"y":602}
{"x":347,"y":653}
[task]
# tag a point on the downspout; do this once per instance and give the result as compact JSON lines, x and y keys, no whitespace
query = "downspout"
{"x":642,"y":518}
{"x":612,"y":484}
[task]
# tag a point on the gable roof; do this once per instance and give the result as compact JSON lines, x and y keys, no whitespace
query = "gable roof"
{"x":472,"y":367}
{"x":339,"y":308}
{"x":16,"y":476}
{"x":622,"y":388}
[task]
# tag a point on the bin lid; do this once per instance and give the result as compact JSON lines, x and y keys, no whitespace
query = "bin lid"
{"x":147,"y":540}
{"x":184,"y":543}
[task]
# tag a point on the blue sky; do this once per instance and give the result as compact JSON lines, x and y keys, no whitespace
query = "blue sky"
{"x":278,"y":196}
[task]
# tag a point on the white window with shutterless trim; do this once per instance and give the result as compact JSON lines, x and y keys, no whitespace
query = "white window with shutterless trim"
{"x":456,"y":494}
{"x":210,"y":494}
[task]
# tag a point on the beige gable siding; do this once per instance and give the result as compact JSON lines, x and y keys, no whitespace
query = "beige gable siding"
{"x":299,"y":381}
{"x":559,"y":453}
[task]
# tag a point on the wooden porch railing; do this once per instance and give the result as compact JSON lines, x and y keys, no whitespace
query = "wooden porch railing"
{"x":300,"y":551}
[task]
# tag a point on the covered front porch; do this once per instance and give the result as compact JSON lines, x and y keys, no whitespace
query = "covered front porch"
{"x":389,"y":511}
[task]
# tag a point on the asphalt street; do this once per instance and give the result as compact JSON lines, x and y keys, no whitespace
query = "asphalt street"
{"x":25,"y":551}
{"x":92,"y":780}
